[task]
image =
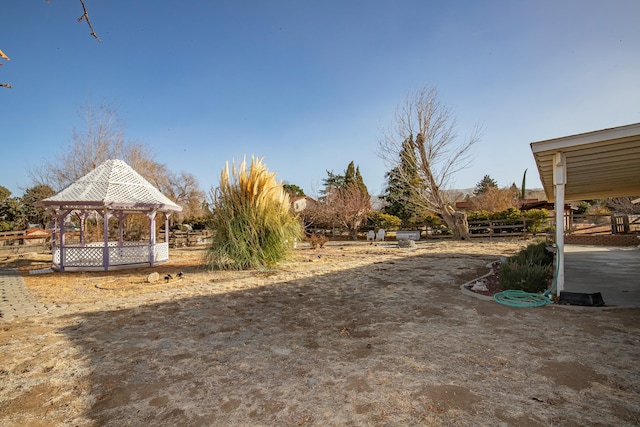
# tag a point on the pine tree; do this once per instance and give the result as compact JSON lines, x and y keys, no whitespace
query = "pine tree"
{"x":484,"y":184}
{"x":360,"y":182}
{"x":403,"y":183}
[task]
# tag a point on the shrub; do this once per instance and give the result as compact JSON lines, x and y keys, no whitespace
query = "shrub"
{"x":432,"y":221}
{"x":477,"y":215}
{"x":383,"y":220}
{"x":317,"y":240}
{"x":526,"y":276}
{"x":536,"y":253}
{"x":530,"y":270}
{"x":536,"y":219}
{"x":252,"y":225}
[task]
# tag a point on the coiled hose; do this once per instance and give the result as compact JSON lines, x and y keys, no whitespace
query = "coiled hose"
{"x":517,"y":298}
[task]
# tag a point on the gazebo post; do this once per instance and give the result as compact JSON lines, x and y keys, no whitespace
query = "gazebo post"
{"x":55,"y":226}
{"x":82,"y":217}
{"x":152,"y":237}
{"x":105,"y":249}
{"x":56,"y":240}
{"x":166,"y":228}
{"x":61,"y":216}
{"x":121,"y":217}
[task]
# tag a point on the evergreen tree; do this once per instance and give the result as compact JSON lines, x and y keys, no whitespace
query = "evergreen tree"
{"x":350,"y":174}
{"x":293,"y":190}
{"x":484,"y":184}
{"x":345,"y":201}
{"x":332,"y":182}
{"x":403,"y":183}
{"x":360,"y":182}
{"x":35,"y":194}
{"x":5,"y":193}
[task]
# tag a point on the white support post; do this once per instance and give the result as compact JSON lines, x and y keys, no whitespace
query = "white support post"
{"x":559,"y":181}
{"x":62,"y":215}
{"x":166,"y":228}
{"x":83,"y":216}
{"x":105,"y":249}
{"x":121,"y":216}
{"x":152,"y":237}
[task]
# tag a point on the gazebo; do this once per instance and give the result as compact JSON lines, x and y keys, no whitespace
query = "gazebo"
{"x":112,"y":190}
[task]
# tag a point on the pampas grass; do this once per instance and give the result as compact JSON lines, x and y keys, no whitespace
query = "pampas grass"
{"x":253,"y":226}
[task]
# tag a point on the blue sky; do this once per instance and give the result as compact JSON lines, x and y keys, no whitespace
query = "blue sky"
{"x":309,"y":85}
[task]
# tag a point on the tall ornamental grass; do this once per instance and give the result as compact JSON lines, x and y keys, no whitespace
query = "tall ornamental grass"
{"x":253,"y":226}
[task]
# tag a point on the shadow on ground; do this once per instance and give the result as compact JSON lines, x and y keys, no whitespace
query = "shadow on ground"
{"x":393,"y":343}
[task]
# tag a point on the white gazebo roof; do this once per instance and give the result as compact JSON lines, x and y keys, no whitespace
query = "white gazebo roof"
{"x":114,"y":185}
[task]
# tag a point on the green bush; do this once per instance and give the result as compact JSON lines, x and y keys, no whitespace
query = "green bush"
{"x":526,"y":276}
{"x":530,"y":270}
{"x":432,"y":221}
{"x":382,"y":220}
{"x":511,"y":215}
{"x":6,"y":226}
{"x":536,"y":253}
{"x":537,"y":219}
{"x":478,"y":215}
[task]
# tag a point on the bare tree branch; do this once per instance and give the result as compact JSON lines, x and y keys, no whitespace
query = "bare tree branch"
{"x":85,"y":16}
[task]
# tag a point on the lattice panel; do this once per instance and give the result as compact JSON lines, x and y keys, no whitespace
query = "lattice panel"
{"x":56,"y":255}
{"x":161,"y":252}
{"x":86,"y":256}
{"x":91,"y":254}
{"x":129,"y":254}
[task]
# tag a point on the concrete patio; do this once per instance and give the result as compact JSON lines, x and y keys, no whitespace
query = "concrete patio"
{"x":612,"y":271}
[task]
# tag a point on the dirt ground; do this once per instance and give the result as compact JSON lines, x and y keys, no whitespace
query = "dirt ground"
{"x":354,"y":334}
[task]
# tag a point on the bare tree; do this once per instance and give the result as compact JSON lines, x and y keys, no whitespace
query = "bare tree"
{"x":183,"y":188}
{"x":624,"y":205}
{"x":427,"y":126}
{"x":344,"y":207}
{"x":102,"y":139}
{"x":495,"y":199}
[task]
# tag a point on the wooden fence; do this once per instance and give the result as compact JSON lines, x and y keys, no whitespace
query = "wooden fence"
{"x":179,"y":239}
{"x":26,"y":241}
{"x":488,"y":228}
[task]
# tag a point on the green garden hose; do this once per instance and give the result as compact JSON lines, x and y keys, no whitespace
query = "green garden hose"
{"x":517,"y":298}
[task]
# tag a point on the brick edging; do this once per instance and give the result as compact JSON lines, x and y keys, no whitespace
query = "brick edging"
{"x":603,"y":239}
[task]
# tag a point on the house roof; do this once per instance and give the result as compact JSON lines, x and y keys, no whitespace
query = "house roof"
{"x":114,"y":185}
{"x":600,"y":164}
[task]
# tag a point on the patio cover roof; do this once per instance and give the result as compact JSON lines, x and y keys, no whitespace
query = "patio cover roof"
{"x":600,"y":164}
{"x":114,"y":185}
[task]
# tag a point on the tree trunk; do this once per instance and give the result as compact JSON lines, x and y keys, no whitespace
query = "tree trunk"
{"x":457,"y":222}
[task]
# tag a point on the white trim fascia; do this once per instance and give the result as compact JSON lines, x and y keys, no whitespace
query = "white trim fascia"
{"x":557,"y":144}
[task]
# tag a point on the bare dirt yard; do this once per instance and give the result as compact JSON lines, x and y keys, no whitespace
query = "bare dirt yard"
{"x":353,"y":334}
